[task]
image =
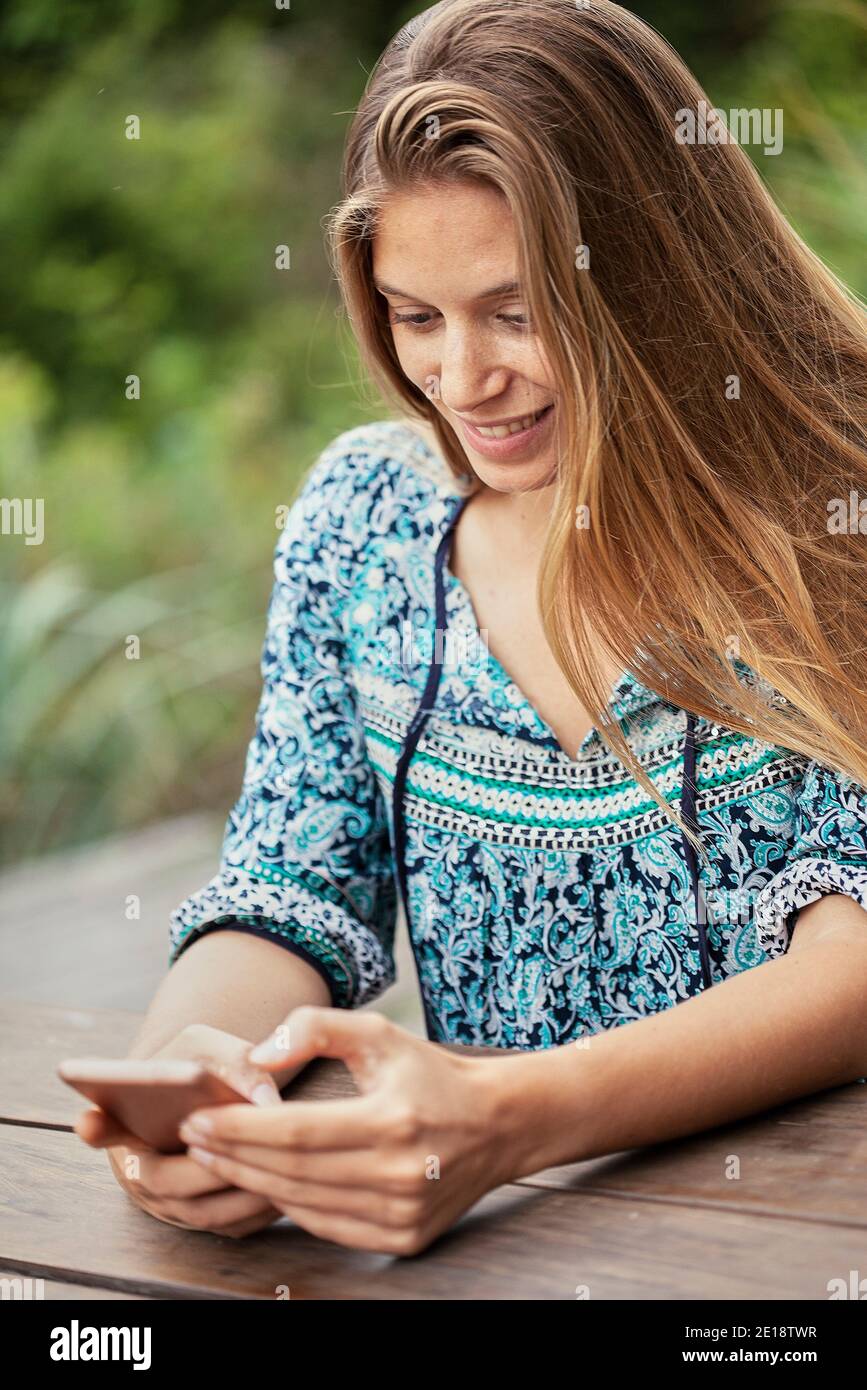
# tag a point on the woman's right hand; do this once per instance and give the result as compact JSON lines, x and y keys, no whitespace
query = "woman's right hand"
{"x":172,"y":1187}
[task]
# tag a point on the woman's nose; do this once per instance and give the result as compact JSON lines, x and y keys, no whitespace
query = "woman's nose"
{"x":469,"y":373}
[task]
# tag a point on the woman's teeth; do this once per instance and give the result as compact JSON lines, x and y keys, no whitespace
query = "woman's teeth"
{"x":501,"y":431}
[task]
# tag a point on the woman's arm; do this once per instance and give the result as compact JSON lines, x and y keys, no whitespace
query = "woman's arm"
{"x":238,"y":986}
{"x":432,"y":1130}
{"x":784,"y":1029}
{"x":230,"y":980}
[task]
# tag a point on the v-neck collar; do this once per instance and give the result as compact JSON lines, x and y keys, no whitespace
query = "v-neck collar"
{"x":628,"y":695}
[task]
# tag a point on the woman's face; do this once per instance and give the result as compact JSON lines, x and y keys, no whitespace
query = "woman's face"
{"x":445,"y":259}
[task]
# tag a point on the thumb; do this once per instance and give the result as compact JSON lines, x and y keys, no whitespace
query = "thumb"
{"x":358,"y":1039}
{"x":250,"y":1081}
{"x":102,"y":1131}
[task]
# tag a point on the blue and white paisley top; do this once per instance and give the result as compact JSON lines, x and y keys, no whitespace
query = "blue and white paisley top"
{"x":547,"y":897}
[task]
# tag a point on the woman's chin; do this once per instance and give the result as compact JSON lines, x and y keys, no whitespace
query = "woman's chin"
{"x":513,"y":476}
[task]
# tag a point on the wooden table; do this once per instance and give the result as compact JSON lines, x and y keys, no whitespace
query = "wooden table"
{"x":662,"y":1223}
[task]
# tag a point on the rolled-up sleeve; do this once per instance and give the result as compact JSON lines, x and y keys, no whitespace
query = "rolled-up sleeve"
{"x":828,"y":855}
{"x":306,"y":857}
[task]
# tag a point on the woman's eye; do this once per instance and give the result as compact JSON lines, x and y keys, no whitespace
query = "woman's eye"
{"x":418,"y":319}
{"x":421,"y":320}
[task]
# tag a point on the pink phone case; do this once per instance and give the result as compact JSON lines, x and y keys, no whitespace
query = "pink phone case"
{"x":151,"y":1096}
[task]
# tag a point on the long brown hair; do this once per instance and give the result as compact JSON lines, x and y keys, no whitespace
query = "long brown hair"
{"x":711,"y":372}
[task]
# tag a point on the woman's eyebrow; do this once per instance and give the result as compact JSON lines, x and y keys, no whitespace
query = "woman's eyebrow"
{"x":508,"y":287}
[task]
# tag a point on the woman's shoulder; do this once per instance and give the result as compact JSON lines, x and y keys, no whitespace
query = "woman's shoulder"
{"x":385,"y":454}
{"x":378,"y":482}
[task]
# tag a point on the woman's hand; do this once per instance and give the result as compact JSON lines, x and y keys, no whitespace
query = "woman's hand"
{"x":388,"y":1170}
{"x":172,"y":1187}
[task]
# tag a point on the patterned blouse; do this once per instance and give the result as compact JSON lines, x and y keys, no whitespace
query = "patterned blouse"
{"x":546,"y":896}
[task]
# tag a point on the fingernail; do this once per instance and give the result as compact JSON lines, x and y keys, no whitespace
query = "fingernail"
{"x":264,"y":1095}
{"x":200,"y":1155}
{"x":201,"y":1124}
{"x":271,"y":1050}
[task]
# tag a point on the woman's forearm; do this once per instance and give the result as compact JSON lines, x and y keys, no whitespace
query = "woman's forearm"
{"x":786,"y":1028}
{"x":230,"y":980}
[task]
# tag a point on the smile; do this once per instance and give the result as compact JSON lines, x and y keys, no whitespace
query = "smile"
{"x":526,"y":422}
{"x":509,"y":438}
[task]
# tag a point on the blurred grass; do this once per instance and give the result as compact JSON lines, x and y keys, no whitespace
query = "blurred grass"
{"x":156,"y":258}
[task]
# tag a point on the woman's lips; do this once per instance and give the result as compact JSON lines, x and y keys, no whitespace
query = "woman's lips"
{"x":510,"y":444}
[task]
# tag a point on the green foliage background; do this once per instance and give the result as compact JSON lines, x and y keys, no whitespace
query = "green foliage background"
{"x":156,"y":257}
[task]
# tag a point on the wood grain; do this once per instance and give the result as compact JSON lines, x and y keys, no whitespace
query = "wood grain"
{"x":65,"y":938}
{"x":35,"y":1037}
{"x":806,"y":1161}
{"x":767,"y":1166}
{"x":629,"y":1226}
{"x":64,"y":1218}
{"x":54,"y":1291}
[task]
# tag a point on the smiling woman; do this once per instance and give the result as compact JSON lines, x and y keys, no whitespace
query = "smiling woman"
{"x":573,"y":310}
{"x":463,"y":333}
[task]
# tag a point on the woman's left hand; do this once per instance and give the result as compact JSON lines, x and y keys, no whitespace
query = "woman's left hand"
{"x":387,"y":1170}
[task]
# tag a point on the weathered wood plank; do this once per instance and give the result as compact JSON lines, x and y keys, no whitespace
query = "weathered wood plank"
{"x":767,"y":1165}
{"x":52,"y":1291}
{"x":65,"y":938}
{"x":806,"y":1160}
{"x":35,"y":1037}
{"x":65,"y":1218}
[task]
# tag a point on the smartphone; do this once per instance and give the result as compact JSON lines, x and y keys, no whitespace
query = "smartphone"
{"x":149,"y":1096}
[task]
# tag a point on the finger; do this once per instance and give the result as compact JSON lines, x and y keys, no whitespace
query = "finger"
{"x":141,"y":1166}
{"x":102,"y":1131}
{"x":173,"y":1176}
{"x":250,"y":1081}
{"x":353,"y":1123}
{"x":214,"y":1213}
{"x":366,"y":1168}
{"x":355,"y":1233}
{"x":337,"y":1167}
{"x":366,"y":1203}
{"x":256,"y":1223}
{"x":146,"y":1172}
{"x":358,"y":1039}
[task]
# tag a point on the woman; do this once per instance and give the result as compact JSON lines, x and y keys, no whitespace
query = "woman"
{"x":628,"y":403}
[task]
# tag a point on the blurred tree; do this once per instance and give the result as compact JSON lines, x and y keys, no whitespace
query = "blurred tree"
{"x":156,"y":257}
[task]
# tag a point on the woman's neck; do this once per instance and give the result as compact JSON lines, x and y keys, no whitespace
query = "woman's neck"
{"x":520,"y":518}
